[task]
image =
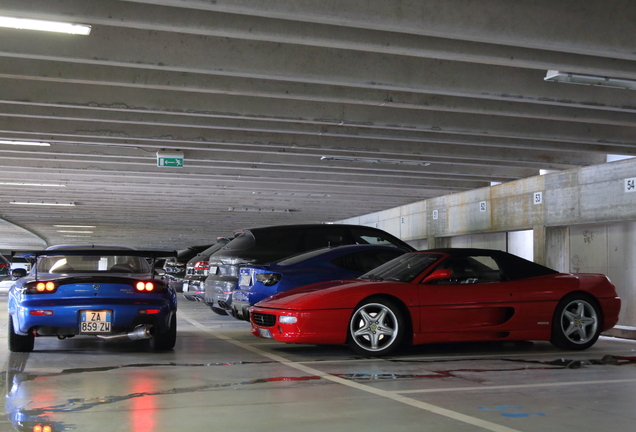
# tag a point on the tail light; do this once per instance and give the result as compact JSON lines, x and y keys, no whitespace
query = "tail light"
{"x":145,"y":286}
{"x":202,"y":265}
{"x":152,"y":287}
{"x":41,"y":287}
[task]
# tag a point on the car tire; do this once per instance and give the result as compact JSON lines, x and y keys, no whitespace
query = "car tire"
{"x":165,"y":341}
{"x":218,"y":311}
{"x":377,"y":327}
{"x":577,"y":322}
{"x":19,"y":343}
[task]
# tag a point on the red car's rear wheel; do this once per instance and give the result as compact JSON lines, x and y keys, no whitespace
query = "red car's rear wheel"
{"x":376,"y":328}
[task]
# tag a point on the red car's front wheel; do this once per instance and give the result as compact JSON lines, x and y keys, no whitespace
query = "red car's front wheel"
{"x":577,"y":322}
{"x":376,"y":328}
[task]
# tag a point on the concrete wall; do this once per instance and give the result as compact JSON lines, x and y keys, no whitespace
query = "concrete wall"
{"x":591,"y":211}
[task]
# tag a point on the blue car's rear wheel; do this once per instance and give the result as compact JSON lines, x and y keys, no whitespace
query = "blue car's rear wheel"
{"x":165,"y":341}
{"x":19,"y":343}
{"x":377,"y":328}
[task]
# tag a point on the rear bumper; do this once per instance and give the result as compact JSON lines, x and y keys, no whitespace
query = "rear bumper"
{"x":65,"y":320}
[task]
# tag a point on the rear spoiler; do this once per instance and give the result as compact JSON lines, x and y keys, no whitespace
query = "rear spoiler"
{"x":152,"y":254}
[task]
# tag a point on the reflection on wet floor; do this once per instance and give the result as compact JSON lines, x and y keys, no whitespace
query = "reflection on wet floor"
{"x":36,"y":419}
{"x":66,"y":387}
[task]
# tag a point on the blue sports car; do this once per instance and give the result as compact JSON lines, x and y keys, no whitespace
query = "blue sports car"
{"x":321,"y":265}
{"x":105,"y":292}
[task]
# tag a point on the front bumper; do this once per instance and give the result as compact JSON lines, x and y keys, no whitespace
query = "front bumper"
{"x":326,"y":326}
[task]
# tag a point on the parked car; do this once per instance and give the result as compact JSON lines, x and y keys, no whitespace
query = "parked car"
{"x":175,"y":267}
{"x":5,"y":268}
{"x":197,"y":270}
{"x":105,"y":292}
{"x":343,"y":262}
{"x":445,"y":295}
{"x":269,"y":244}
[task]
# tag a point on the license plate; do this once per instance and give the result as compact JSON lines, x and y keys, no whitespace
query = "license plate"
{"x":186,"y":287}
{"x":246,"y":280}
{"x":265,"y":333}
{"x":95,"y":321}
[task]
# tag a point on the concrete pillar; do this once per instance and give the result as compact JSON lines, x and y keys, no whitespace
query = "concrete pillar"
{"x":539,"y":247}
{"x":439,"y":242}
{"x":557,"y":248}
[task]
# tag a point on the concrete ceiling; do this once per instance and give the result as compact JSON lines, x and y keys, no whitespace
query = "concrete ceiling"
{"x":444,"y":96}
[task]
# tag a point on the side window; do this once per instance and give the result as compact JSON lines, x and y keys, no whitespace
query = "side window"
{"x":369,"y":236}
{"x":471,"y":269}
{"x":321,"y":237}
{"x":365,"y":261}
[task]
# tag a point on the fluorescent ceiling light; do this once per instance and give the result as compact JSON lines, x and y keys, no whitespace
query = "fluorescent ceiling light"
{"x":32,"y":184}
{"x":42,"y":203}
{"x":75,"y":232}
{"x":258,"y":210}
{"x":26,"y":143}
{"x":75,"y":226}
{"x":375,"y":160}
{"x":572,"y":78}
{"x":51,"y":26}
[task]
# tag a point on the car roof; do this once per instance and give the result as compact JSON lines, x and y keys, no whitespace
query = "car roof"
{"x":337,"y":250}
{"x":512,"y":265}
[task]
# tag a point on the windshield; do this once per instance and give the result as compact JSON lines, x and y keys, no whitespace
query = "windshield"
{"x":90,"y":264}
{"x":404,"y":268}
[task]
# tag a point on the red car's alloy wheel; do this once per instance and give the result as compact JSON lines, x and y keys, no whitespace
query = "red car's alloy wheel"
{"x":376,"y":328}
{"x":576,"y":323}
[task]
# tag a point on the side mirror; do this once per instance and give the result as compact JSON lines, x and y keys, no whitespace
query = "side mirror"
{"x":18,"y":273}
{"x":438,"y":275}
{"x":160,"y":272}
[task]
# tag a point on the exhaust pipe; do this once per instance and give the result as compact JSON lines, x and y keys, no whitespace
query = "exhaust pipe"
{"x":139,"y":333}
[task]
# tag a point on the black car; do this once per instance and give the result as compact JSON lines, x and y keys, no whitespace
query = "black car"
{"x":197,"y":270}
{"x":268,"y":244}
{"x":175,"y":268}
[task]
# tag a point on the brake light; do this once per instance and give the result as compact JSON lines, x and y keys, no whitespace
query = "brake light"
{"x":41,"y":287}
{"x":42,"y":428}
{"x":145,"y":286}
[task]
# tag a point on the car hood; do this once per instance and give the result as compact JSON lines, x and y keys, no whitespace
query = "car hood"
{"x":339,"y":294}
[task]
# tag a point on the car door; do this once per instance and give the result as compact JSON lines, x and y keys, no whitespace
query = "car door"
{"x":473,"y":300}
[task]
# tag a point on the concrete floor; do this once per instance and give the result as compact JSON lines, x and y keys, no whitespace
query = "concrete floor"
{"x":220,"y":377}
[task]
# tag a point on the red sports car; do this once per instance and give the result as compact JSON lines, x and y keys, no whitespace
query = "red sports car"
{"x":444,"y":295}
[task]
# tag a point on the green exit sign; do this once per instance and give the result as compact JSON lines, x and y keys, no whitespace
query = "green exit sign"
{"x":170,"y":162}
{"x":172,"y":159}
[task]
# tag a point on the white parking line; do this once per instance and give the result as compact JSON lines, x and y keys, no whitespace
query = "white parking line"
{"x":383,"y":393}
{"x":514,"y":387}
